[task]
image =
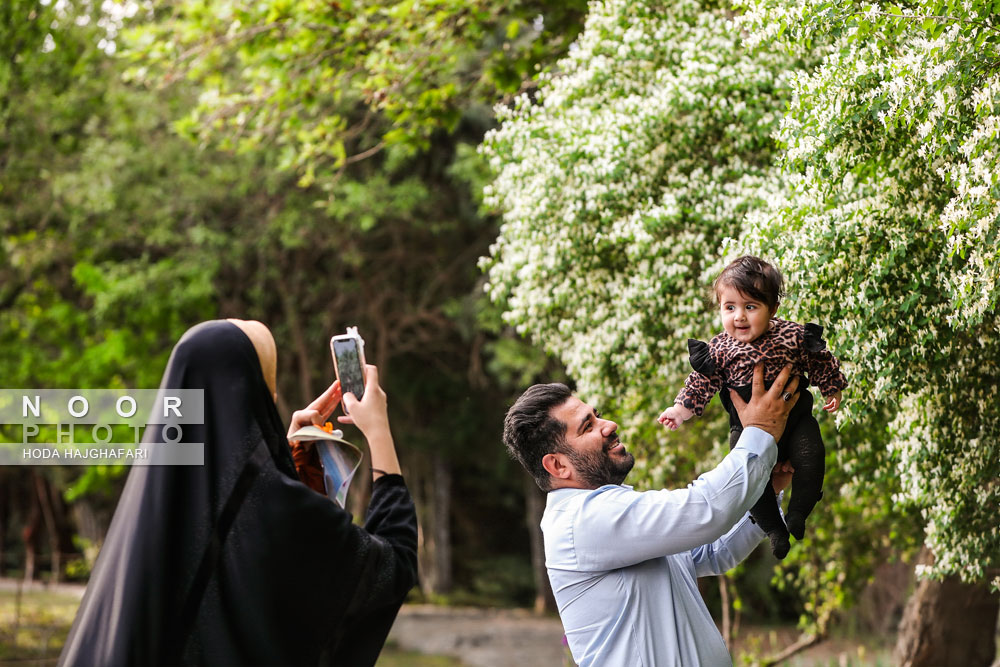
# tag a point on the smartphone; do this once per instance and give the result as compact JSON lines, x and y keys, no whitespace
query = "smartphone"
{"x":349,"y":362}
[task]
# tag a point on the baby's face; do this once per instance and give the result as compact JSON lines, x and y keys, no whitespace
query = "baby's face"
{"x":743,"y":318}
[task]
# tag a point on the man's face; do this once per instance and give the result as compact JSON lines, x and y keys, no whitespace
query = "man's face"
{"x":592,"y":444}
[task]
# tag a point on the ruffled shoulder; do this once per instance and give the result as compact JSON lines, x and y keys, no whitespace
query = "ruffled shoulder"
{"x":701,"y":359}
{"x":813,"y":339}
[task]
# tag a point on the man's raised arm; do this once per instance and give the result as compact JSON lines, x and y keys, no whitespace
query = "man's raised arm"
{"x":629,"y":527}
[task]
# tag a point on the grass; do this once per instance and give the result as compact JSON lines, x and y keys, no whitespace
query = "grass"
{"x":34,"y":629}
{"x":393,"y":656}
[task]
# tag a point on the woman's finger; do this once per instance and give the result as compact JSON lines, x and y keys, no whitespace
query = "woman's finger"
{"x":371,"y":375}
{"x":327,"y":401}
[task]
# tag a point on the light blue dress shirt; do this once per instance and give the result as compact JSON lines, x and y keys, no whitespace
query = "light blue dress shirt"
{"x":623,"y":563}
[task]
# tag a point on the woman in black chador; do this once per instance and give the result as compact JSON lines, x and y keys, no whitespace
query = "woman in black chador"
{"x":237,"y":562}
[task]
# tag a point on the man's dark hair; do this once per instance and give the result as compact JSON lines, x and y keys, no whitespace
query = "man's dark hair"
{"x":530,"y":431}
{"x":754,"y":278}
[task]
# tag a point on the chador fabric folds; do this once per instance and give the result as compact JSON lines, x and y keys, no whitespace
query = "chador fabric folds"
{"x":236,"y":561}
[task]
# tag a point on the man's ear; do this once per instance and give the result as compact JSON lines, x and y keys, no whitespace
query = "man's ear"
{"x":557,"y":465}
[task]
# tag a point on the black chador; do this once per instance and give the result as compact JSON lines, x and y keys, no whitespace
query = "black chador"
{"x":236,"y":562}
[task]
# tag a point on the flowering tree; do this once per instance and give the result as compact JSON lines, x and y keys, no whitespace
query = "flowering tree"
{"x":620,"y":183}
{"x":892,"y":160}
{"x":891,"y":154}
{"x":618,"y":186}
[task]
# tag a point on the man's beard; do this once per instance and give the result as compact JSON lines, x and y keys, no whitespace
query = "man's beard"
{"x":599,"y":468}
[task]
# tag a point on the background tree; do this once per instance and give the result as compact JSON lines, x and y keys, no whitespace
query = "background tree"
{"x":375,"y":108}
{"x":92,"y":288}
{"x":143,"y":233}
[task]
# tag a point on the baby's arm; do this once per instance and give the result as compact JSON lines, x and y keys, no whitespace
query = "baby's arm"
{"x":692,"y":399}
{"x":823,"y":368}
{"x":674,"y":416}
{"x":699,"y":387}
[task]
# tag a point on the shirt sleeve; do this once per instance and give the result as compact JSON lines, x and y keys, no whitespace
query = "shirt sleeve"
{"x":617,"y":527}
{"x":731,"y":549}
{"x":388,"y":555}
{"x":705,"y":381}
{"x":823,"y":368}
{"x":698,"y":391}
{"x":391,"y":526}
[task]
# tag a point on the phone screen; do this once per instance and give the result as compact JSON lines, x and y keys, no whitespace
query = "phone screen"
{"x":349,"y":370}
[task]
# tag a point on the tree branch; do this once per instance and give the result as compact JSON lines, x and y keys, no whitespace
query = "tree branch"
{"x":804,"y":642}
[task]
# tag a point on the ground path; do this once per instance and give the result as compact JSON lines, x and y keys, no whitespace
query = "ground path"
{"x":481,"y":637}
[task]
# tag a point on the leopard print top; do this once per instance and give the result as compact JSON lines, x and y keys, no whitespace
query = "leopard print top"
{"x":727,"y":362}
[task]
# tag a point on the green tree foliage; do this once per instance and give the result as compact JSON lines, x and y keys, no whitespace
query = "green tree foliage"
{"x":120,"y":234}
{"x":330,"y":83}
{"x":93,"y":288}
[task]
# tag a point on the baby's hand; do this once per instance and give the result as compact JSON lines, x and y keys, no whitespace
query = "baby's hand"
{"x":674,"y":416}
{"x":832,"y":402}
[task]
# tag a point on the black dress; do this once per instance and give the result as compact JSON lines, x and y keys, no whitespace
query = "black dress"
{"x":236,"y":562}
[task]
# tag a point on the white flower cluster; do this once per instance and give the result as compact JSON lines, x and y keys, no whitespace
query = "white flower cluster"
{"x":853,"y":143}
{"x":618,"y":185}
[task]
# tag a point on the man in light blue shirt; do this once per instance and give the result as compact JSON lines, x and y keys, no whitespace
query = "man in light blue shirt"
{"x":623,"y":563}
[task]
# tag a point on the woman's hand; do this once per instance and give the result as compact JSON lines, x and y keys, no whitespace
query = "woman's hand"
{"x":371,"y":417}
{"x":832,"y":402}
{"x":317,"y":412}
{"x":369,"y":414}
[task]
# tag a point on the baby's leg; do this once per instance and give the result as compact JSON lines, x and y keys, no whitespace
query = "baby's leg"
{"x":765,"y":511}
{"x":808,"y":457}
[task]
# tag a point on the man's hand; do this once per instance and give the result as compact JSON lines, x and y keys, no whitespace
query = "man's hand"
{"x":768,"y":410}
{"x":674,"y":416}
{"x":781,"y":475}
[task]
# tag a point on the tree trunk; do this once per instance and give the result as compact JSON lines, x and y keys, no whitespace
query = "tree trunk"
{"x":434,"y":534}
{"x":49,"y":517}
{"x":948,"y":624}
{"x":89,"y":528}
{"x":31,"y":530}
{"x":727,"y":627}
{"x":304,"y":359}
{"x":5,"y":493}
{"x":545,"y":601}
{"x":436,"y":576}
{"x":442,"y":523}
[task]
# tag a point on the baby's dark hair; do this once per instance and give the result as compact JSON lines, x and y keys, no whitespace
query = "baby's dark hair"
{"x":754,"y":278}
